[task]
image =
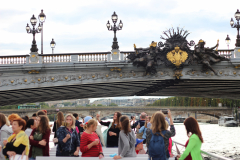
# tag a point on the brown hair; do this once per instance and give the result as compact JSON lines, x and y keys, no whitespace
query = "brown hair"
{"x":192,"y":126}
{"x":125,"y":124}
{"x":13,"y":116}
{"x":152,"y":117}
{"x":89,"y":123}
{"x":117,"y":120}
{"x":43,"y":126}
{"x":158,"y":123}
{"x":40,"y":113}
{"x":2,"y":119}
{"x":145,"y":125}
{"x":60,"y":119}
{"x":21,"y":122}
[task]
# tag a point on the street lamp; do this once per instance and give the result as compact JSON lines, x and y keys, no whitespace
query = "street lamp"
{"x":115,"y":28}
{"x":42,"y":18}
{"x":228,"y":40}
{"x":236,"y":25}
{"x":33,"y":31}
{"x":52,"y":45}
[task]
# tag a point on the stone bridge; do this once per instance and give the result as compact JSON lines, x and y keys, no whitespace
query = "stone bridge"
{"x":105,"y":111}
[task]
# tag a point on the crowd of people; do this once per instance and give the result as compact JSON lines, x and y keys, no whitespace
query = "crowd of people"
{"x":30,"y":137}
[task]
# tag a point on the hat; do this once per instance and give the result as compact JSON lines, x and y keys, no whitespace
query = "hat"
{"x":87,"y":119}
{"x":138,"y":141}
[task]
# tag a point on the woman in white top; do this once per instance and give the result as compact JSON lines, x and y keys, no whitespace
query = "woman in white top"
{"x":5,"y":132}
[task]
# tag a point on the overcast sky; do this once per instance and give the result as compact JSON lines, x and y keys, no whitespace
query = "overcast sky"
{"x":80,"y":25}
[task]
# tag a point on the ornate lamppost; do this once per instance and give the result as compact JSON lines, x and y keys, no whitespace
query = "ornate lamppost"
{"x":236,"y":25}
{"x":52,"y":45}
{"x":33,"y":31}
{"x":115,"y":28}
{"x":228,"y":40}
{"x":42,"y":18}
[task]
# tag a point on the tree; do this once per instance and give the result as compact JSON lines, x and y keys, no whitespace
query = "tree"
{"x":113,"y":104}
{"x":99,"y":105}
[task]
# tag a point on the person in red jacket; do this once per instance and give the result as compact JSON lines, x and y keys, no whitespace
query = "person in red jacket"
{"x":90,"y":145}
{"x":39,"y":139}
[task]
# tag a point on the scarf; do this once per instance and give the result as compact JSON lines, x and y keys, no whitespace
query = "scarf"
{"x":21,"y":138}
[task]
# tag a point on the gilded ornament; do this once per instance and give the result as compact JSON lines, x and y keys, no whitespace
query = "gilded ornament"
{"x":107,"y":75}
{"x":25,"y":80}
{"x":220,"y":72}
{"x":177,"y":56}
{"x":39,"y":79}
{"x":234,"y":72}
{"x":237,"y":66}
{"x":93,"y":76}
{"x":114,"y":52}
{"x":33,"y":71}
{"x":161,"y":73}
{"x":178,"y":74}
{"x":134,"y":74}
{"x":79,"y":77}
{"x":153,"y":44}
{"x":66,"y":77}
{"x":115,"y":68}
{"x":120,"y":75}
{"x":52,"y":78}
{"x":12,"y":81}
{"x":206,"y":72}
{"x":33,"y":55}
{"x":238,"y":50}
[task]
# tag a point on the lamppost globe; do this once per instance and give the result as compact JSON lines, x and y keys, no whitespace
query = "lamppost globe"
{"x":237,"y":15}
{"x":227,"y":40}
{"x":120,"y":24}
{"x":27,"y":28}
{"x":33,"y":20}
{"x":108,"y":25}
{"x":39,"y":27}
{"x":42,"y":17}
{"x":231,"y":22}
{"x":114,"y":17}
{"x":52,"y":43}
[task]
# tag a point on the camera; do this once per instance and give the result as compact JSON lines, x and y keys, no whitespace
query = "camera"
{"x":165,"y":111}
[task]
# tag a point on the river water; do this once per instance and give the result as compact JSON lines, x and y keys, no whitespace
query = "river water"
{"x":220,"y":140}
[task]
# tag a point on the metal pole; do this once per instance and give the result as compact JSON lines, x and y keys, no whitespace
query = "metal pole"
{"x":52,"y":50}
{"x":42,"y":39}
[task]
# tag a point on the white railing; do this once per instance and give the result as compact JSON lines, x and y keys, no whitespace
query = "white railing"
{"x":125,"y":54}
{"x":92,"y":57}
{"x":13,"y":59}
{"x":225,"y":52}
{"x":56,"y":58}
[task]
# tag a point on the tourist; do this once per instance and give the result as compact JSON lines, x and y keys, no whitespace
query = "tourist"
{"x":158,"y":133}
{"x":17,"y":143}
{"x":77,"y":123}
{"x":7,"y":121}
{"x":195,"y":140}
{"x":39,"y":139}
{"x":139,"y":146}
{"x":113,"y":131}
{"x":139,"y":124}
{"x":68,"y":139}
{"x":34,"y":116}
{"x":41,"y":113}
{"x":127,"y":140}
{"x":25,"y":118}
{"x":90,"y":144}
{"x":12,"y":117}
{"x":5,"y":132}
{"x":143,"y":129}
{"x":58,"y":123}
{"x":31,"y":124}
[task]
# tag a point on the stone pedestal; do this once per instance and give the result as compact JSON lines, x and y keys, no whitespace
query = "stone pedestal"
{"x":33,"y":58}
{"x":237,"y":52}
{"x":115,"y":54}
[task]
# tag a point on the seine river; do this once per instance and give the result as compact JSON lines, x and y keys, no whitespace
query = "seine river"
{"x":220,"y":140}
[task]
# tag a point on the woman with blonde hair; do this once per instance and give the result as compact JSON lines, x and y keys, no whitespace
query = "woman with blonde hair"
{"x":5,"y":132}
{"x":158,"y":133}
{"x":90,"y":144}
{"x":39,"y":139}
{"x":68,"y":139}
{"x":144,"y":129}
{"x":58,"y":123}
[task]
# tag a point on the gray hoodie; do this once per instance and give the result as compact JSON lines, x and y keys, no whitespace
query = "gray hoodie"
{"x":5,"y":132}
{"x":126,"y":144}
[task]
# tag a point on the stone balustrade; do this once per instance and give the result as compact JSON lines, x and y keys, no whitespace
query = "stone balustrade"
{"x":226,"y":52}
{"x":18,"y":59}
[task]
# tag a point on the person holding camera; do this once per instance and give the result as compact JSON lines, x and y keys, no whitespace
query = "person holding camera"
{"x":139,"y":124}
{"x":68,"y":139}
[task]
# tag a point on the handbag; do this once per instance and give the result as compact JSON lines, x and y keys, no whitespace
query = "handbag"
{"x":105,"y":134}
{"x":18,"y":157}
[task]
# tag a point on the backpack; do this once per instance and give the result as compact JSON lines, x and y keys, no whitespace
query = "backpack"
{"x":156,"y":148}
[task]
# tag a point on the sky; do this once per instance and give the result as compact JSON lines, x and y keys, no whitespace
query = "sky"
{"x":80,"y":25}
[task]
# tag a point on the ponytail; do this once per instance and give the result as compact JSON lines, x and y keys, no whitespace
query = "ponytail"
{"x":90,"y":123}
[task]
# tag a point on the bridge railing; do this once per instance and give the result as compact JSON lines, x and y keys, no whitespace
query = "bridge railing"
{"x":125,"y":54}
{"x":14,"y":59}
{"x":205,"y":155}
{"x":225,"y":52}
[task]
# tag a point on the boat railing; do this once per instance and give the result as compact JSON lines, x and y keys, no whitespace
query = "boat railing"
{"x":205,"y":155}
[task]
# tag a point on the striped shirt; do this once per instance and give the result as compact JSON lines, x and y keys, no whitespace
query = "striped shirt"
{"x":86,"y":139}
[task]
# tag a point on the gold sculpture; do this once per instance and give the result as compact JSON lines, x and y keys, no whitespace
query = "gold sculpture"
{"x":177,"y":56}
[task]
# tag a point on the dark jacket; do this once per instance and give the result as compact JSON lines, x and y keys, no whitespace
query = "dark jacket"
{"x":112,"y":141}
{"x":71,"y":144}
{"x":45,"y":149}
{"x":142,"y":122}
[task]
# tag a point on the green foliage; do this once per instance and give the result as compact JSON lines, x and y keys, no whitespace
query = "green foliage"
{"x":195,"y":102}
{"x":67,"y":103}
{"x":99,"y":105}
{"x":113,"y":104}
